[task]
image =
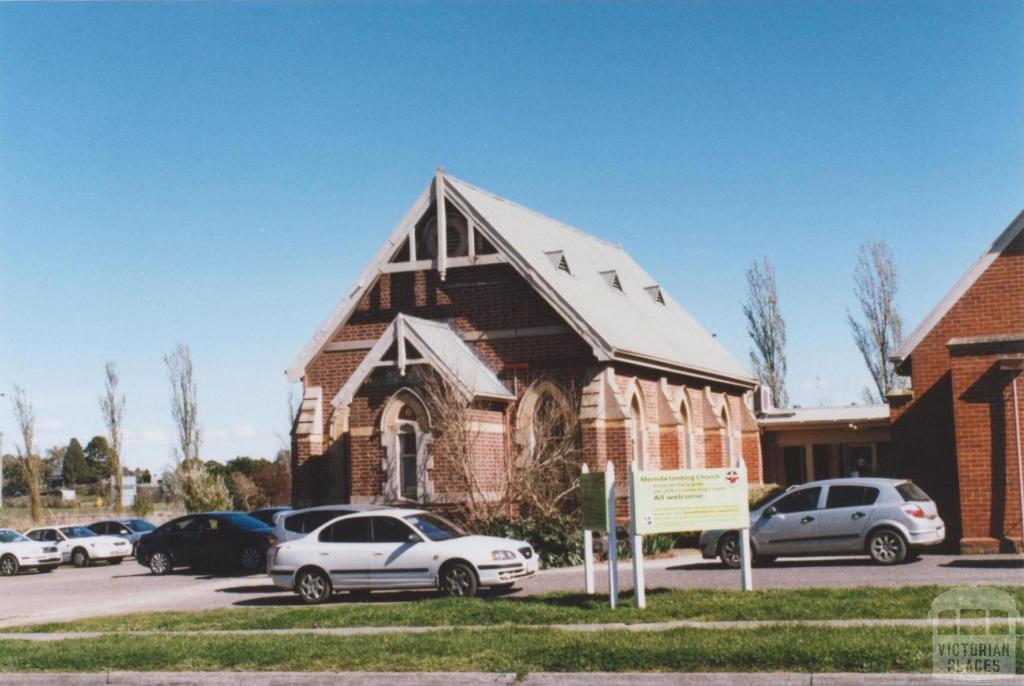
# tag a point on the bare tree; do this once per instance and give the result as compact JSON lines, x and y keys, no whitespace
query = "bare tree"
{"x":200,"y":489}
{"x":767,"y":330}
{"x":542,"y":479}
{"x":31,"y":465}
{"x":546,"y":478}
{"x":112,"y":408}
{"x":457,"y":435}
{"x":880,"y":332}
{"x":184,"y":404}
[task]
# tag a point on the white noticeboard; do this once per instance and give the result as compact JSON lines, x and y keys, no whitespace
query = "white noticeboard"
{"x":128,"y":492}
{"x":676,"y":500}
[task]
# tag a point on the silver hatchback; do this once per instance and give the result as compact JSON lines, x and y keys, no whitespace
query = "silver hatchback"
{"x":884,"y":518}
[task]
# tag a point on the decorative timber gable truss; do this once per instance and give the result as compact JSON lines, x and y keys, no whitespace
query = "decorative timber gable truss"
{"x":419,"y":341}
{"x":634,"y":322}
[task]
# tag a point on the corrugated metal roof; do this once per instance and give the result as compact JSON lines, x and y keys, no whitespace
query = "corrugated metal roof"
{"x":836,"y":414}
{"x":630,"y":320}
{"x":443,"y":346}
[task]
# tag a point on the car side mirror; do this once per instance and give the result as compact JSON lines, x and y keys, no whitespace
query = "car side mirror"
{"x":771,"y":511}
{"x":413,"y":538}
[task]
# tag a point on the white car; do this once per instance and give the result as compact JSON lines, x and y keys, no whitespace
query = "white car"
{"x":397,"y":548}
{"x":80,"y":546}
{"x":18,"y":552}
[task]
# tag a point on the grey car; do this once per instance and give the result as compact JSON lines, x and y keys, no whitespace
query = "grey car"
{"x":884,"y":518}
{"x":128,"y":528}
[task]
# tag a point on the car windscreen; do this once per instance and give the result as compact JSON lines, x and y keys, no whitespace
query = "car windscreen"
{"x":435,"y":528}
{"x":912,"y":493}
{"x":244,"y":521}
{"x":771,"y":493}
{"x":8,"y":536}
{"x":77,"y":531}
{"x":139,"y":525}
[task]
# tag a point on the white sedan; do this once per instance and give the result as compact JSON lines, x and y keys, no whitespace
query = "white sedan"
{"x":396,"y":548}
{"x":18,"y":552}
{"x":81,"y":546}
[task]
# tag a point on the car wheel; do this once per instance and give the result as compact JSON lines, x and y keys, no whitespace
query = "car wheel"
{"x":9,"y":565}
{"x":80,"y":558}
{"x":314,"y":587}
{"x":887,"y":547}
{"x":458,"y":580}
{"x":115,"y":560}
{"x":250,"y":559}
{"x":729,"y":551}
{"x":160,"y":562}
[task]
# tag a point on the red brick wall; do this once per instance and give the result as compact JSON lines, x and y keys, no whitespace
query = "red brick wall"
{"x":479,"y":298}
{"x":929,"y":429}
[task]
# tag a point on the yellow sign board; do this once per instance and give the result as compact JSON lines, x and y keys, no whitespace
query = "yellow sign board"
{"x":689,"y":500}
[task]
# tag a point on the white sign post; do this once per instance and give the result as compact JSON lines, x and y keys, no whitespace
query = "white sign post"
{"x":748,"y":581}
{"x":637,"y":543}
{"x":597,"y":508}
{"x":613,"y":543}
{"x":588,"y":550}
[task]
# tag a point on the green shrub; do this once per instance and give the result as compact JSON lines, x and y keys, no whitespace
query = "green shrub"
{"x":655,"y":544}
{"x":558,"y":540}
{"x":757,"y":495}
{"x":143,"y":505}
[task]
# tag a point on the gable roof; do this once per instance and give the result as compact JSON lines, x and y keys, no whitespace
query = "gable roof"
{"x":962,"y":286}
{"x":441,"y":347}
{"x":631,"y":324}
{"x":627,"y":325}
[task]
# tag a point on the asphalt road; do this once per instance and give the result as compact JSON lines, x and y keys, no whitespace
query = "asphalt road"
{"x":70,"y":593}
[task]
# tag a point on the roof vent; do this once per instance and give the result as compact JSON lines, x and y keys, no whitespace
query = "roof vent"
{"x":656,"y":294}
{"x":612,"y":277}
{"x":557,"y":258}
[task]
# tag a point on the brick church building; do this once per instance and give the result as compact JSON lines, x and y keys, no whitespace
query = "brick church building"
{"x":514,"y":310}
{"x":956,"y":430}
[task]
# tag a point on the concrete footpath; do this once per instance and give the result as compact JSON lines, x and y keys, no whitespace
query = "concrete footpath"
{"x":492,"y":679}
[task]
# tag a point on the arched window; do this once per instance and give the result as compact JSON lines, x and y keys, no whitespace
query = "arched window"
{"x":542,"y":420}
{"x":637,"y":431}
{"x":727,"y":439}
{"x":548,"y":425}
{"x":686,"y":459}
{"x":407,"y":452}
{"x":405,"y":435}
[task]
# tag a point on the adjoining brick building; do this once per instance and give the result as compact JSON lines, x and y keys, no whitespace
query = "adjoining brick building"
{"x":514,"y":309}
{"x":956,"y":430}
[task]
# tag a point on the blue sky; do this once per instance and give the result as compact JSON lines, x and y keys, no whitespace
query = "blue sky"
{"x":218,"y":174}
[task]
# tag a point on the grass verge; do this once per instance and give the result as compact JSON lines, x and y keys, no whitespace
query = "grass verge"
{"x":908,"y":602}
{"x":875,"y":649}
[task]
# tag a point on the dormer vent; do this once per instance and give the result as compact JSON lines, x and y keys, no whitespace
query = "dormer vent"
{"x":557,"y":258}
{"x":656,"y":294}
{"x":612,"y":278}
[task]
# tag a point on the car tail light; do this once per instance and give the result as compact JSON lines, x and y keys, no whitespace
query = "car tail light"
{"x":914,"y":511}
{"x":272,"y":539}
